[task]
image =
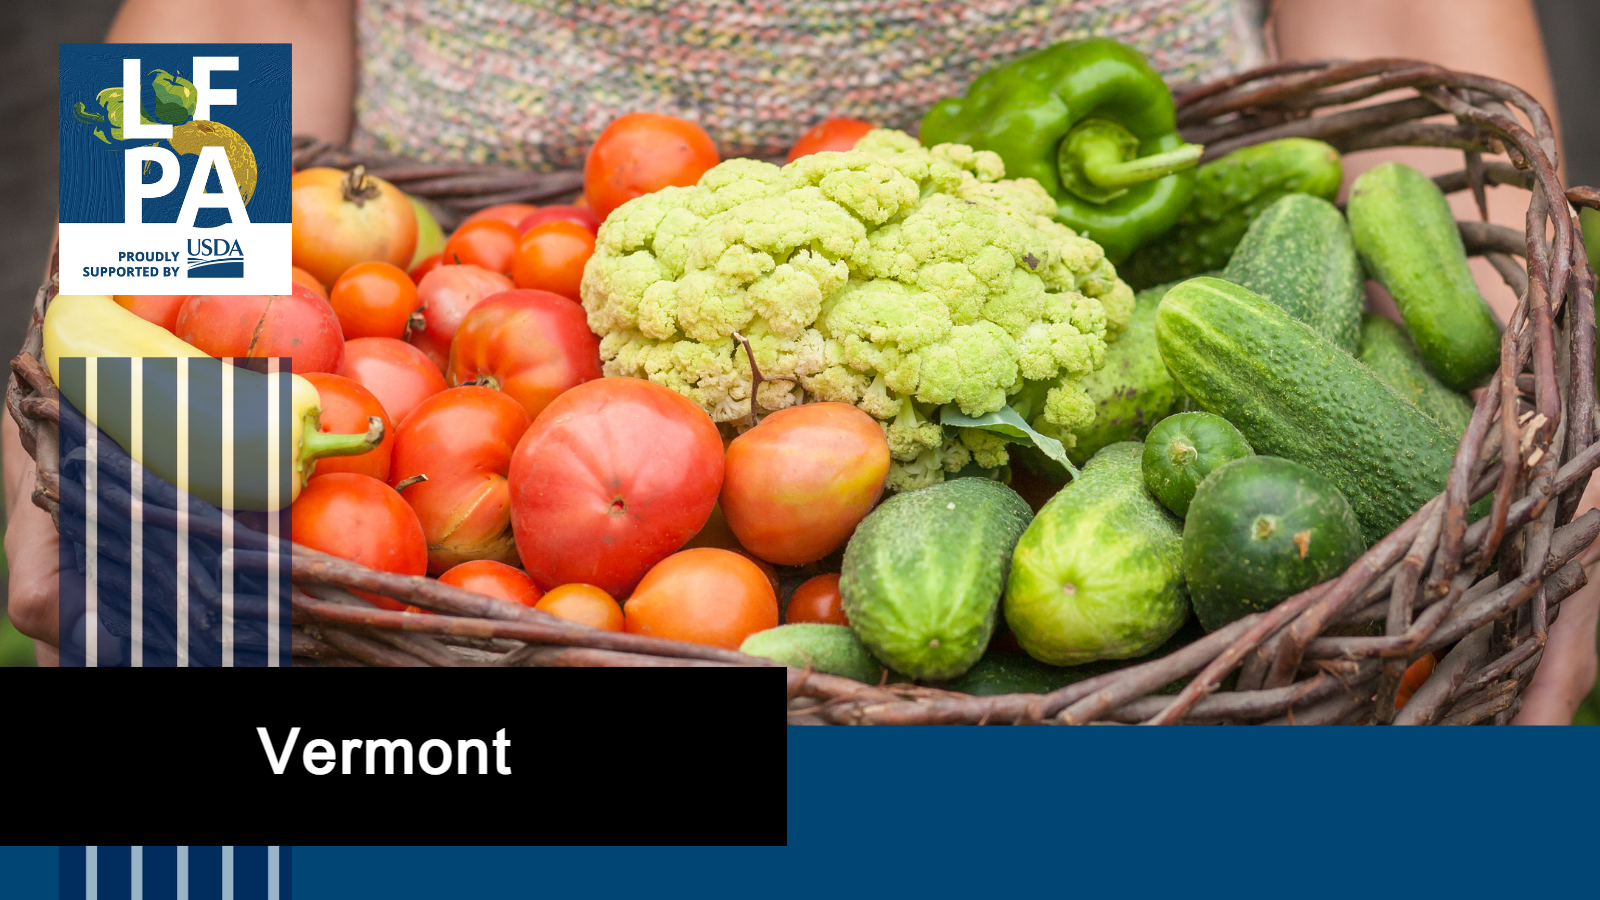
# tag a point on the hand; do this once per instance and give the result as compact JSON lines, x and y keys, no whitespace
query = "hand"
{"x":32,"y":551}
{"x":1566,"y":673}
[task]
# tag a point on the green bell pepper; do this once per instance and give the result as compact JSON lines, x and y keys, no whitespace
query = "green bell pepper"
{"x":1091,"y":122}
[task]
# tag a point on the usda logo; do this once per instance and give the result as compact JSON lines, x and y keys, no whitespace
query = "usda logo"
{"x":175,"y":165}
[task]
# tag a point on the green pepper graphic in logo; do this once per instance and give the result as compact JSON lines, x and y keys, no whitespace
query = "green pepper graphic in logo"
{"x":175,"y":104}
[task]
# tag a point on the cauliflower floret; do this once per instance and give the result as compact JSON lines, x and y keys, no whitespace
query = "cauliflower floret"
{"x":894,"y":277}
{"x":988,"y":449}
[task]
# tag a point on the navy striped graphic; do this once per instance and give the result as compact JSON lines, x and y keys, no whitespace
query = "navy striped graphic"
{"x":152,"y":574}
{"x":175,"y":873}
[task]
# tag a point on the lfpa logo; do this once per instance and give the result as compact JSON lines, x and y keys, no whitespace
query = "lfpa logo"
{"x":175,"y":168}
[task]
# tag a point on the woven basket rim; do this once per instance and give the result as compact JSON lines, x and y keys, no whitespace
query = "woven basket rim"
{"x":1290,"y":670}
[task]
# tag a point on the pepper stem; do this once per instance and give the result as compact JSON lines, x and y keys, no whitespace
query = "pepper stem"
{"x":314,"y":444}
{"x":1098,"y":161}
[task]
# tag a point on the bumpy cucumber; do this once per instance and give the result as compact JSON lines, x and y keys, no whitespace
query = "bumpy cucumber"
{"x":1229,"y":193}
{"x":833,"y":649}
{"x":1133,"y":391}
{"x":1097,"y":575}
{"x":1408,"y":239}
{"x":1295,"y":395}
{"x":924,"y":572}
{"x":1262,"y":529}
{"x":1299,"y":254}
{"x":1389,"y":353}
{"x":1182,"y":450}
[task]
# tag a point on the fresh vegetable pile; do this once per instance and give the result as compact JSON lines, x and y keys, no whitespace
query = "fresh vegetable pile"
{"x":713,"y":386}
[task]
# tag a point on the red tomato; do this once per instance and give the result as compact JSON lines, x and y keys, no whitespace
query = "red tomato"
{"x":363,"y":520}
{"x":584,"y":604}
{"x":830,"y":134}
{"x":531,"y":344}
{"x":509,"y":213}
{"x":580,"y":215}
{"x":300,"y":325}
{"x":346,"y":406}
{"x":447,"y":294}
{"x":1415,"y":676}
{"x":817,"y":600}
{"x":374,"y":299}
{"x":495,"y":579}
{"x":301,"y":276}
{"x":641,"y":153}
{"x":797,"y":484}
{"x":161,"y":309}
{"x":341,"y":219}
{"x":550,"y":257}
{"x":612,"y":477}
{"x":703,"y":596}
{"x":462,"y":439}
{"x":489,"y":243}
{"x":428,"y":264}
{"x":398,"y":374}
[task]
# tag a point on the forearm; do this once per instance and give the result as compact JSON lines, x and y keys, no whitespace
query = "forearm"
{"x":1498,"y":38}
{"x":322,"y":32}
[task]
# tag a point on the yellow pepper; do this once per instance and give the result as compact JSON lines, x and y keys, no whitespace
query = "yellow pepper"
{"x":96,"y":327}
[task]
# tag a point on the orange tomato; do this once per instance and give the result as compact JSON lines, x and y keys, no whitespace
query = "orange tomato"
{"x":495,"y":579}
{"x":345,"y":408}
{"x":374,"y":299}
{"x":830,"y":134}
{"x":1415,"y":676}
{"x":341,"y":219}
{"x":703,"y":596}
{"x":795,"y":486}
{"x":363,"y":520}
{"x":551,"y":257}
{"x":489,"y":243}
{"x":585,"y":604}
{"x":715,"y":533}
{"x":509,"y":213}
{"x":301,"y":276}
{"x":428,"y":264}
{"x":641,"y":153}
{"x":161,"y":309}
{"x":817,"y":600}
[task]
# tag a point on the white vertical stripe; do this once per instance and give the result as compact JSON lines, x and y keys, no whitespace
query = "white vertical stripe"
{"x":136,"y":513}
{"x":227,"y":870}
{"x":136,"y":873}
{"x":272,"y":864}
{"x":183,"y":873}
{"x":91,"y":514}
{"x":91,"y":873}
{"x":183,"y":516}
{"x":273,"y":487}
{"x":227,"y":527}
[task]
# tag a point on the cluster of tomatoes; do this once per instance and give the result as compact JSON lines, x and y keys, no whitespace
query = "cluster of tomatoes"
{"x":508,"y":465}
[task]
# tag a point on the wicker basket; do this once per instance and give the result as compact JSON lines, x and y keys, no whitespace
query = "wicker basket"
{"x":1430,"y":581}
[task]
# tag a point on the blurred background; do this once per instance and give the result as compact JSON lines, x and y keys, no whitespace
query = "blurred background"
{"x":28,"y":50}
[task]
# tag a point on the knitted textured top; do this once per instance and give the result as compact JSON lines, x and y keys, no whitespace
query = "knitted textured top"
{"x":530,"y":83}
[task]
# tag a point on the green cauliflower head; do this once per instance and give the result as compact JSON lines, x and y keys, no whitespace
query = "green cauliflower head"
{"x":894,"y":277}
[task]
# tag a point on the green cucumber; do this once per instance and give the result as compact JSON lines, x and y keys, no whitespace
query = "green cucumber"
{"x":1133,"y":390}
{"x":833,"y":649}
{"x":1097,"y":575}
{"x":1262,"y":529}
{"x":1299,"y":254}
{"x":1295,"y":395}
{"x":924,"y":572}
{"x":1390,"y":354}
{"x":1229,"y":193}
{"x":1182,"y":450}
{"x":1408,"y":239}
{"x":1009,"y":672}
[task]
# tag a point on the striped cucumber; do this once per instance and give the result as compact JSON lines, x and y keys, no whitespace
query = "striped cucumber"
{"x":1389,"y":353}
{"x":1299,"y":254}
{"x":1295,"y":395}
